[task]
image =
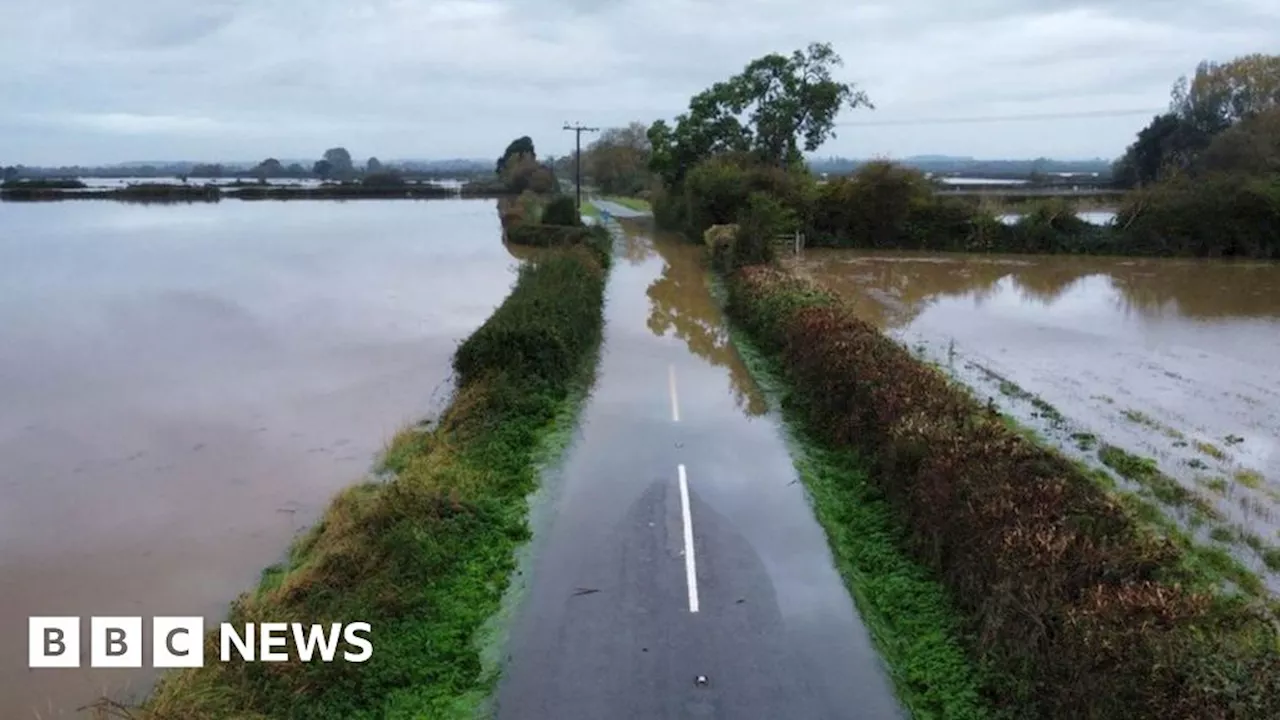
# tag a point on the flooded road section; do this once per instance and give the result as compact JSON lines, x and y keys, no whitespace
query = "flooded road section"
{"x":677,"y":570}
{"x":1172,"y":360}
{"x":183,"y":388}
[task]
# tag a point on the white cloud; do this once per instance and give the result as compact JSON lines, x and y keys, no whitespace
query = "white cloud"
{"x":240,"y":79}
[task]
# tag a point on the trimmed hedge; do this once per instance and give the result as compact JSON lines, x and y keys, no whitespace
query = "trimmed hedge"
{"x":542,"y":327}
{"x":1078,"y":610}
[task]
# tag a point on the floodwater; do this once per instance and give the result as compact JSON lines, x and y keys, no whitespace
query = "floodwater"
{"x":1175,"y":360}
{"x":1093,"y":217}
{"x":183,"y":388}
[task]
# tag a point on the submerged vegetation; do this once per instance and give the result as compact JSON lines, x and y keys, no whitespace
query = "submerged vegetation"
{"x":424,"y":556}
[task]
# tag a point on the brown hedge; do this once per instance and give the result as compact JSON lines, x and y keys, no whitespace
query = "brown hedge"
{"x":1079,"y":611}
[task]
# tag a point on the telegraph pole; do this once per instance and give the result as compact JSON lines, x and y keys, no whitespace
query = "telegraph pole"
{"x":577,"y":157}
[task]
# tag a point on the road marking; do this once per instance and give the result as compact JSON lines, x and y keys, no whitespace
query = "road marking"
{"x":690,"y":564}
{"x":675,"y":399}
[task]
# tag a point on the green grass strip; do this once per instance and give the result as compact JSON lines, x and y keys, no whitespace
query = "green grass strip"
{"x":633,"y":203}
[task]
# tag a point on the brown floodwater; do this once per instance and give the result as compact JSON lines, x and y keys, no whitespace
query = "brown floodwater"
{"x":183,"y":387}
{"x":1174,"y":360}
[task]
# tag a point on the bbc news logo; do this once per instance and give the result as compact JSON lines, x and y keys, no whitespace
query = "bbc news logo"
{"x":178,"y":642}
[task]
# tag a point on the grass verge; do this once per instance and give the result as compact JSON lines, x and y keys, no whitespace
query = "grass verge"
{"x":633,"y":203}
{"x":425,"y":557}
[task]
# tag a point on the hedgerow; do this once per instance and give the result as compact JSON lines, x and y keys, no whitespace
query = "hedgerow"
{"x":1077,"y":609}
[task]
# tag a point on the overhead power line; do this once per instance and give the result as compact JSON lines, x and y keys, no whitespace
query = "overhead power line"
{"x":1002,"y":118}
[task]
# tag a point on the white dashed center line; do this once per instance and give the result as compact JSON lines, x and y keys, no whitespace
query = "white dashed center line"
{"x":690,"y":563}
{"x":675,"y":399}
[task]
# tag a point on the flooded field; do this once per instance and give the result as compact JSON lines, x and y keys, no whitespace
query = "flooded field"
{"x":1172,"y":361}
{"x":183,"y":387}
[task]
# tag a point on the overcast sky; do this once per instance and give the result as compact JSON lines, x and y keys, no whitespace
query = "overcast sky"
{"x":93,"y":81}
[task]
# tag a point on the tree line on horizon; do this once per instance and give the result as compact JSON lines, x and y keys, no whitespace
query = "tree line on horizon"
{"x":335,"y":164}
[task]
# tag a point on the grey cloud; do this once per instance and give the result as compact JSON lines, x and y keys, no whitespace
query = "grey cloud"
{"x":89,"y":81}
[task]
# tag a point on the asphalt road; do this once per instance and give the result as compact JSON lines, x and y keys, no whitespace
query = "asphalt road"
{"x":677,"y":569}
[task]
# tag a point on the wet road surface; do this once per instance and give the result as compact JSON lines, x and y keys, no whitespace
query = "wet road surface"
{"x":678,"y":571}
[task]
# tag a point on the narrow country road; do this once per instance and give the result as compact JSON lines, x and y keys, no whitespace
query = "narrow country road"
{"x":677,"y":569}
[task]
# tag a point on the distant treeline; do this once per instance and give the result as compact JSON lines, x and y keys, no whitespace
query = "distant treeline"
{"x":335,"y":164}
{"x":969,"y":167}
{"x":380,"y":185}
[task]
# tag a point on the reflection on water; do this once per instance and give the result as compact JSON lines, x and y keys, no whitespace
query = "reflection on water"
{"x":894,"y":289}
{"x":184,"y":387}
{"x":681,"y":306}
{"x":1171,"y":359}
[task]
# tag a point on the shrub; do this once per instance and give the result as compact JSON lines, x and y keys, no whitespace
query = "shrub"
{"x":872,"y":207}
{"x":759,"y":224}
{"x":1215,"y":216}
{"x":561,"y":211}
{"x":1079,"y":612}
{"x":716,"y":191}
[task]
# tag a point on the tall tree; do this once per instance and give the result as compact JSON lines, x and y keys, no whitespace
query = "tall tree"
{"x":1250,"y":147}
{"x":323,"y":169}
{"x":270,"y":167}
{"x":1220,"y":95}
{"x":777,"y":108}
{"x":1166,"y":145}
{"x":1217,"y":98}
{"x":373,"y":165}
{"x":340,"y":163}
{"x":520,"y":146}
{"x":618,"y":161}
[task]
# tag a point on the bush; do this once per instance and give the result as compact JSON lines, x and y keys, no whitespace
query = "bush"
{"x":561,"y":211}
{"x":540,"y":332}
{"x":872,"y":207}
{"x":759,"y":224}
{"x":1052,"y":226}
{"x":1080,"y":613}
{"x":1218,"y":215}
{"x":716,"y":191}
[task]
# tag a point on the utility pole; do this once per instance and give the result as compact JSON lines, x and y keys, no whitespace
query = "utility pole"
{"x":577,"y":156}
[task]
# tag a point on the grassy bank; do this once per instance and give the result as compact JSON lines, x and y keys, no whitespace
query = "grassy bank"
{"x":1073,"y":607}
{"x":425,"y":556}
